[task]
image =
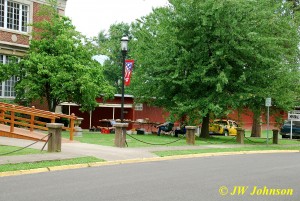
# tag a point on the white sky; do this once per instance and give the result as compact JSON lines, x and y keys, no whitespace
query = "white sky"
{"x":92,"y":16}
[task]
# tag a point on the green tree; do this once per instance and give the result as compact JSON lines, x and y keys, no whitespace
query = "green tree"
{"x":59,"y":66}
{"x":295,"y":5}
{"x":281,"y":81}
{"x":110,"y":47}
{"x":203,"y":58}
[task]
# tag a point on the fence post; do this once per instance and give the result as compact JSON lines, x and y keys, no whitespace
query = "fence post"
{"x":72,"y":126}
{"x":54,"y":142}
{"x":240,"y":135}
{"x":275,"y":136}
{"x":190,"y":134}
{"x":12,"y":119}
{"x":2,"y":116}
{"x":31,"y":122}
{"x":120,"y":134}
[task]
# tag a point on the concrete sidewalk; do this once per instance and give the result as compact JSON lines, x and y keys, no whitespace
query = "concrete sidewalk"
{"x":77,"y":149}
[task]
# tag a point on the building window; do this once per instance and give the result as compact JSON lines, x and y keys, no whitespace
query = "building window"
{"x":7,"y":88}
{"x":138,"y":107}
{"x":1,"y":13}
{"x":14,"y":15}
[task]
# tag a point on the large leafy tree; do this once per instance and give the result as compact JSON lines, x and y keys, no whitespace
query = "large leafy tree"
{"x":295,"y":5}
{"x":280,"y":82}
{"x":206,"y":57}
{"x":110,"y":47}
{"x":59,"y":66}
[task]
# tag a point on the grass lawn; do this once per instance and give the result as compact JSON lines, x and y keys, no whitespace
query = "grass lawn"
{"x":108,"y":139}
{"x":12,"y":150}
{"x":164,"y":140}
{"x":17,"y":151}
{"x":256,"y":143}
{"x":42,"y":164}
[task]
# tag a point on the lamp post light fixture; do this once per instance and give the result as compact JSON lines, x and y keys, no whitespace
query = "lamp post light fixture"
{"x":124,"y":49}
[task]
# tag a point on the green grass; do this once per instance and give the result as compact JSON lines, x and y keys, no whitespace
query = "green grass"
{"x":108,"y":139}
{"x":215,"y":150}
{"x":263,"y":133}
{"x":42,"y":164}
{"x":8,"y":149}
{"x":164,"y":140}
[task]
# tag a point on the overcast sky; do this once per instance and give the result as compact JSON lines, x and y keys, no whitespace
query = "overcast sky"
{"x":92,"y":16}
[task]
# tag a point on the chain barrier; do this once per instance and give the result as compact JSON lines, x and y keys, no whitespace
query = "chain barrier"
{"x":221,"y":142}
{"x":50,"y":135}
{"x":152,"y":143}
{"x":253,"y":142}
{"x":27,"y":146}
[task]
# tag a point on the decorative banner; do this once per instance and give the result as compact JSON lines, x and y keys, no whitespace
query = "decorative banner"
{"x":128,"y":71}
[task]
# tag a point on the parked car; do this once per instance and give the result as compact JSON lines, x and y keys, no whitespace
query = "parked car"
{"x":223,"y":127}
{"x":285,"y":130}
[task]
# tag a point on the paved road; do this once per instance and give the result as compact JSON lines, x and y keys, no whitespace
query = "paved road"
{"x":173,"y":180}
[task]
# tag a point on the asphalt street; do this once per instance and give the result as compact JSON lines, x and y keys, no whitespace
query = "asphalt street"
{"x":236,"y":177}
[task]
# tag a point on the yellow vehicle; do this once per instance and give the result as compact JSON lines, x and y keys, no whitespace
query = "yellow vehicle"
{"x":223,"y":127}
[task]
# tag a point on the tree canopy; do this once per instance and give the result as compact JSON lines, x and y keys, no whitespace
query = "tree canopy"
{"x":199,"y":58}
{"x":110,"y":46}
{"x":59,"y":66}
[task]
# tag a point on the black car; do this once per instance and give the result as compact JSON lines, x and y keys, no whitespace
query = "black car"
{"x":285,"y":130}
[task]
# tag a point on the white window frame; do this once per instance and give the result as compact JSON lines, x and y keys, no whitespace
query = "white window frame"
{"x":138,"y":107}
{"x":7,"y":88}
{"x":22,"y":25}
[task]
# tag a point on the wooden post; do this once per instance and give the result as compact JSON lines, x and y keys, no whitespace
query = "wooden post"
{"x":31,"y":122}
{"x":2,"y":116}
{"x":120,"y":134}
{"x":275,"y":136}
{"x":72,"y":126}
{"x":240,"y":135}
{"x":54,"y":143}
{"x":190,"y":134}
{"x":12,"y":119}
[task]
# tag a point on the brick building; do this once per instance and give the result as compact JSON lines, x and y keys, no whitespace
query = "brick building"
{"x":15,"y":34}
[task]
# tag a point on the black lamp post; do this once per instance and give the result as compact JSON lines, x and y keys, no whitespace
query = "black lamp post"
{"x":124,"y":48}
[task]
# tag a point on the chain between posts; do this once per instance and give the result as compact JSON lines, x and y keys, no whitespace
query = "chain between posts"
{"x":221,"y":142}
{"x":27,"y":146}
{"x":153,"y":143}
{"x":175,"y":141}
{"x":256,"y":142}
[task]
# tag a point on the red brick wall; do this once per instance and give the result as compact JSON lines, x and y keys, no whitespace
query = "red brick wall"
{"x":36,"y":8}
{"x":21,"y":39}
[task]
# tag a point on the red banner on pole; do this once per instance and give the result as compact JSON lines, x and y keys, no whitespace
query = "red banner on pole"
{"x":128,"y":71}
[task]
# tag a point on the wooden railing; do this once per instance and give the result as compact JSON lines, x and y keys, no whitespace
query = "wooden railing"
{"x":31,"y":118}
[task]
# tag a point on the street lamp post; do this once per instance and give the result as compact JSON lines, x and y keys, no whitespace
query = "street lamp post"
{"x":124,"y":49}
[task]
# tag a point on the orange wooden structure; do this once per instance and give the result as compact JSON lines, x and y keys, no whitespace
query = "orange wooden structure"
{"x":26,"y":117}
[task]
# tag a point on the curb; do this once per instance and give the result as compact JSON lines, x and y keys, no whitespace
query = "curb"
{"x":143,"y":160}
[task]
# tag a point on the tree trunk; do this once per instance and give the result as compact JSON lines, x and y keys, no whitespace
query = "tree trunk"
{"x":205,"y":127}
{"x":256,"y":126}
